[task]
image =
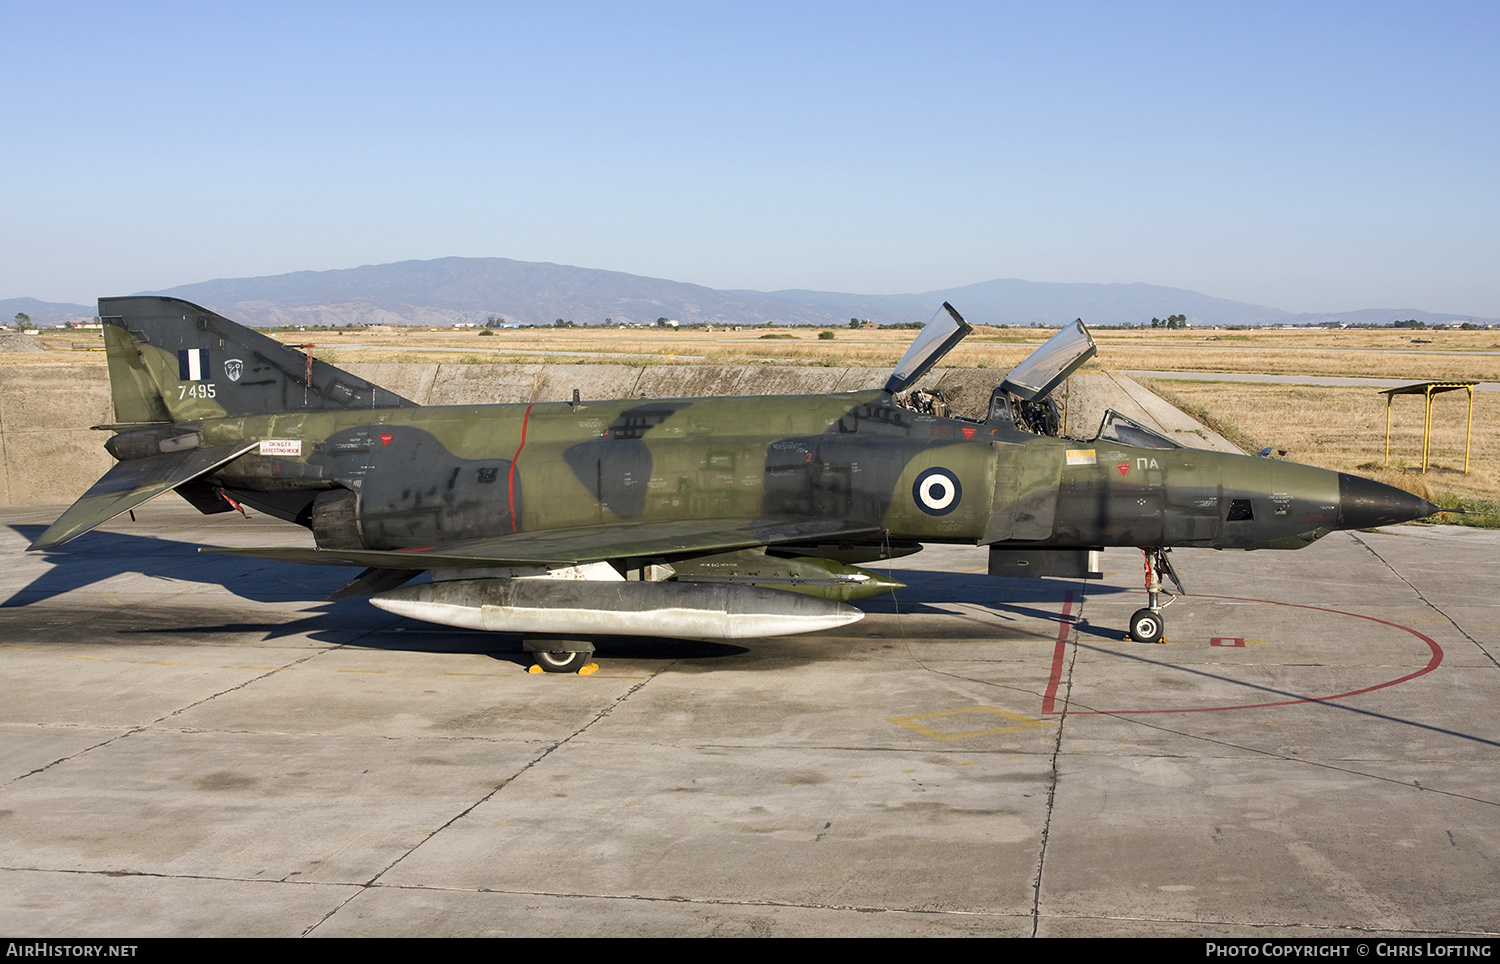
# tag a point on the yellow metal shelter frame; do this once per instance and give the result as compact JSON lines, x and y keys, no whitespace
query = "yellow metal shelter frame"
{"x":1429,"y":389}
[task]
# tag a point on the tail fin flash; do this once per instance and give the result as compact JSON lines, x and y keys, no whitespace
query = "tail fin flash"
{"x":170,"y":360}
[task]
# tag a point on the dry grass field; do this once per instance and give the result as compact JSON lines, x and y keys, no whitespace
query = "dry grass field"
{"x":1473,"y":355}
{"x":1344,"y":429}
{"x":1339,"y":428}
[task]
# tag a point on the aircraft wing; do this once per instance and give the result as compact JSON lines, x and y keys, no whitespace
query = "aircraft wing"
{"x":132,"y":482}
{"x":626,"y":540}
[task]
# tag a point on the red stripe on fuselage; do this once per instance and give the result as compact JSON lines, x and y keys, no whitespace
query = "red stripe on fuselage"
{"x":510,"y":480}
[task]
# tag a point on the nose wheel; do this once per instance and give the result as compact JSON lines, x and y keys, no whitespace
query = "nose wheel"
{"x":1147,"y":625}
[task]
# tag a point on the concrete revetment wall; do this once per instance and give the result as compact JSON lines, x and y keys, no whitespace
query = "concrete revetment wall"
{"x":49,"y":456}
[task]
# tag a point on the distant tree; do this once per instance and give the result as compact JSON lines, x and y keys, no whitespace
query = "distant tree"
{"x":853,"y":322}
{"x":23,"y":321}
{"x":826,"y":335}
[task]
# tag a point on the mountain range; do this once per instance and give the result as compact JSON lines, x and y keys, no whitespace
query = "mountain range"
{"x":448,"y":291}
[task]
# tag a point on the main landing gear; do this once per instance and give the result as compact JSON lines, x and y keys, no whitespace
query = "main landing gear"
{"x":1146,"y":625}
{"x":555,"y":655}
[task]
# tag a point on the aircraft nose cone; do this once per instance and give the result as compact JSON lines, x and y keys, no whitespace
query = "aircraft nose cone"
{"x":1364,"y":503}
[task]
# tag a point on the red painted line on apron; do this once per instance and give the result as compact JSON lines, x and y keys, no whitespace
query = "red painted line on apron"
{"x":510,"y":479}
{"x":1064,"y":624}
{"x":1433,"y":662}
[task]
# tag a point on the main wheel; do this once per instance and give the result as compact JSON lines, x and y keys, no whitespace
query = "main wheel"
{"x":1145,"y":626}
{"x":561,"y":661}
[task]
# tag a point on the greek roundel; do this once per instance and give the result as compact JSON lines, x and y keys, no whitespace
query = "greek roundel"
{"x":937,"y":491}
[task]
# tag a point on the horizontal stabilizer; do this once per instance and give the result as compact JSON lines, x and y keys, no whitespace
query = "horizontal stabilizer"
{"x":584,"y":544}
{"x":132,"y":482}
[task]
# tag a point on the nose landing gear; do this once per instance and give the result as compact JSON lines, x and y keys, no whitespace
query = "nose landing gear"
{"x":1147,"y":625}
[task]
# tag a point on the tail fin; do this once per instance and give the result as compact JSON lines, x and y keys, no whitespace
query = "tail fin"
{"x":172,"y":361}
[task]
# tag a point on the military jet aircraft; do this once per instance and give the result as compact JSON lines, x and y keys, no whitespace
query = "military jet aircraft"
{"x":701,"y":518}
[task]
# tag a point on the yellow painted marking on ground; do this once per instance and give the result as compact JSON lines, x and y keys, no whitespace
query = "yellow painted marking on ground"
{"x":376,"y":671}
{"x":19,"y":649}
{"x":1020,"y":723}
{"x":162,"y":662}
{"x":102,"y":659}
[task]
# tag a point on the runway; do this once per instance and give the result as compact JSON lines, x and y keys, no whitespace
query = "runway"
{"x":201,"y":746}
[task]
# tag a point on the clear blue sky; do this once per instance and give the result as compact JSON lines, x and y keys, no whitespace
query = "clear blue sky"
{"x":1310,"y":156}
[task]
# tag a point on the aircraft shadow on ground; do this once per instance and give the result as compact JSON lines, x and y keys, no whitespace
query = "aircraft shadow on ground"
{"x":99,"y":556}
{"x":934,"y":593}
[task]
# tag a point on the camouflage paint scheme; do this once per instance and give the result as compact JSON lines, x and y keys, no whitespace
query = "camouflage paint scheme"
{"x":702,"y":486}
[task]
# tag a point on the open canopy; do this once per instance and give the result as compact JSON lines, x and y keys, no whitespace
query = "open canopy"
{"x":946,"y":329}
{"x":1047,"y":367}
